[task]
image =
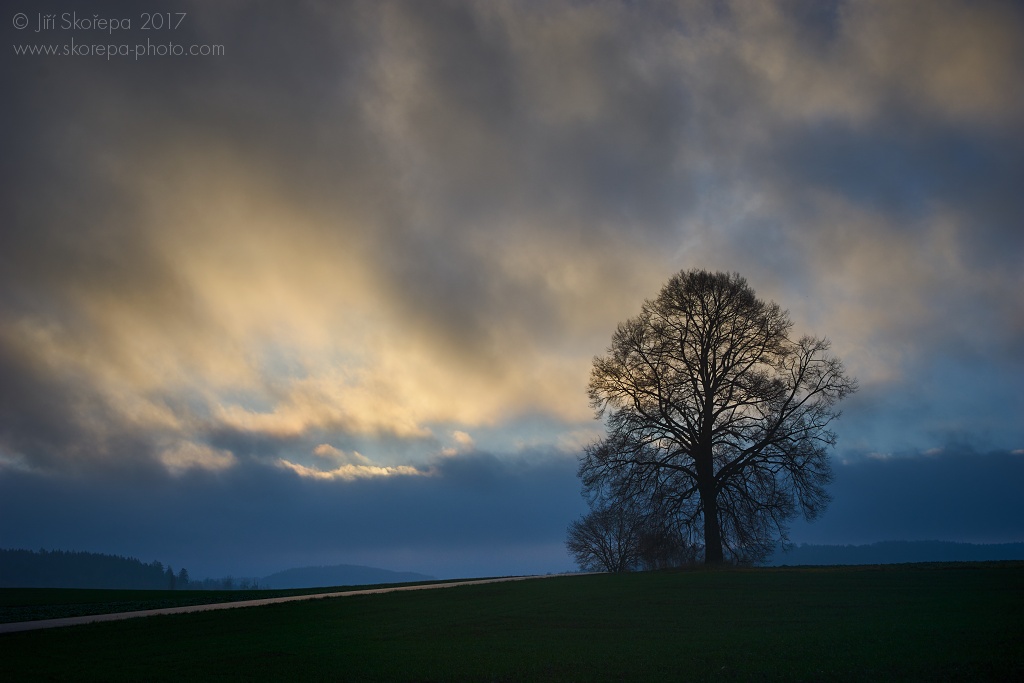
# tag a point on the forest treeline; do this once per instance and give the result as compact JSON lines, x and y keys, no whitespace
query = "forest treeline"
{"x":895,"y":552}
{"x":70,"y":569}
{"x":63,"y":569}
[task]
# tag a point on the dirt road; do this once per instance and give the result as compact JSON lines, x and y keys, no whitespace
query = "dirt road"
{"x":72,"y":621}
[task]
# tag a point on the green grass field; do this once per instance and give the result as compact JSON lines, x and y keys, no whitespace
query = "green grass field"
{"x":899,"y":622}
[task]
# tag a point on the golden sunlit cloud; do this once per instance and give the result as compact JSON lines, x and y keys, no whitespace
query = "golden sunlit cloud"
{"x":350,"y":472}
{"x":336,"y":455}
{"x":463,"y":443}
{"x":188,"y":455}
{"x":347,"y":466}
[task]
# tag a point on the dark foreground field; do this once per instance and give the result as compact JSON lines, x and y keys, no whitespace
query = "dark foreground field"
{"x":32,"y":604}
{"x":902,"y":622}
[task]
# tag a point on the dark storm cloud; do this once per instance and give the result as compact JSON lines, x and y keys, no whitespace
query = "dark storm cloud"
{"x":905,"y":168}
{"x":31,"y":421}
{"x":950,"y":494}
{"x":254,"y":520}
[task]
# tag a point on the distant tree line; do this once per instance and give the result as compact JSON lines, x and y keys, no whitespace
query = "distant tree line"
{"x":227,"y":583}
{"x":69,"y":569}
{"x":64,"y":569}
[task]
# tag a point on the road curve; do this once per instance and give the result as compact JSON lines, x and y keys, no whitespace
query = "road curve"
{"x":16,"y":626}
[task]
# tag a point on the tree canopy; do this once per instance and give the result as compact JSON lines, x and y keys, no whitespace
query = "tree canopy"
{"x":716,"y":418}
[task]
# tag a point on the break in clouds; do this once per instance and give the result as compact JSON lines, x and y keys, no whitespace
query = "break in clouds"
{"x":374,"y":240}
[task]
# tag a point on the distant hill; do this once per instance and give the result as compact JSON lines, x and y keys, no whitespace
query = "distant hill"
{"x":893,"y":552}
{"x":63,"y":569}
{"x":337,"y":575}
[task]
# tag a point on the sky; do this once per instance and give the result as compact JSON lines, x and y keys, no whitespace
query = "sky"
{"x":330,"y":293}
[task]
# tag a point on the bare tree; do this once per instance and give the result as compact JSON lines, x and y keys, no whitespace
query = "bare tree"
{"x":606,"y":539}
{"x":716,"y":415}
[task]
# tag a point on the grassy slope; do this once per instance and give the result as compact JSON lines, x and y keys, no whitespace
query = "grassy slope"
{"x":961,"y":622}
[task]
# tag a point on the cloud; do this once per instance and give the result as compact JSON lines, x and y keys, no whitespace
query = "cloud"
{"x":350,"y":466}
{"x":462,"y":441}
{"x":383,"y":227}
{"x":185,"y":456}
{"x":950,"y":58}
{"x":478,"y":512}
{"x":953,"y":493}
{"x":854,"y":62}
{"x":350,"y":472}
{"x":332,"y":454}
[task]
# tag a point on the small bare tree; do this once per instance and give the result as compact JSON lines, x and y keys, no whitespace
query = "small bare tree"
{"x":606,"y":539}
{"x":715,"y":415}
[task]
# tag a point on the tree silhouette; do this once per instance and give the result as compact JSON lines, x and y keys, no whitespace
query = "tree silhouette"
{"x":68,"y":569}
{"x":715,"y":415}
{"x":606,"y":539}
{"x":617,"y":535}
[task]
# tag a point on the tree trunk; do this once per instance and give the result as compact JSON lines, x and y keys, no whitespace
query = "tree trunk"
{"x":709,"y":497}
{"x":712,"y":529}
